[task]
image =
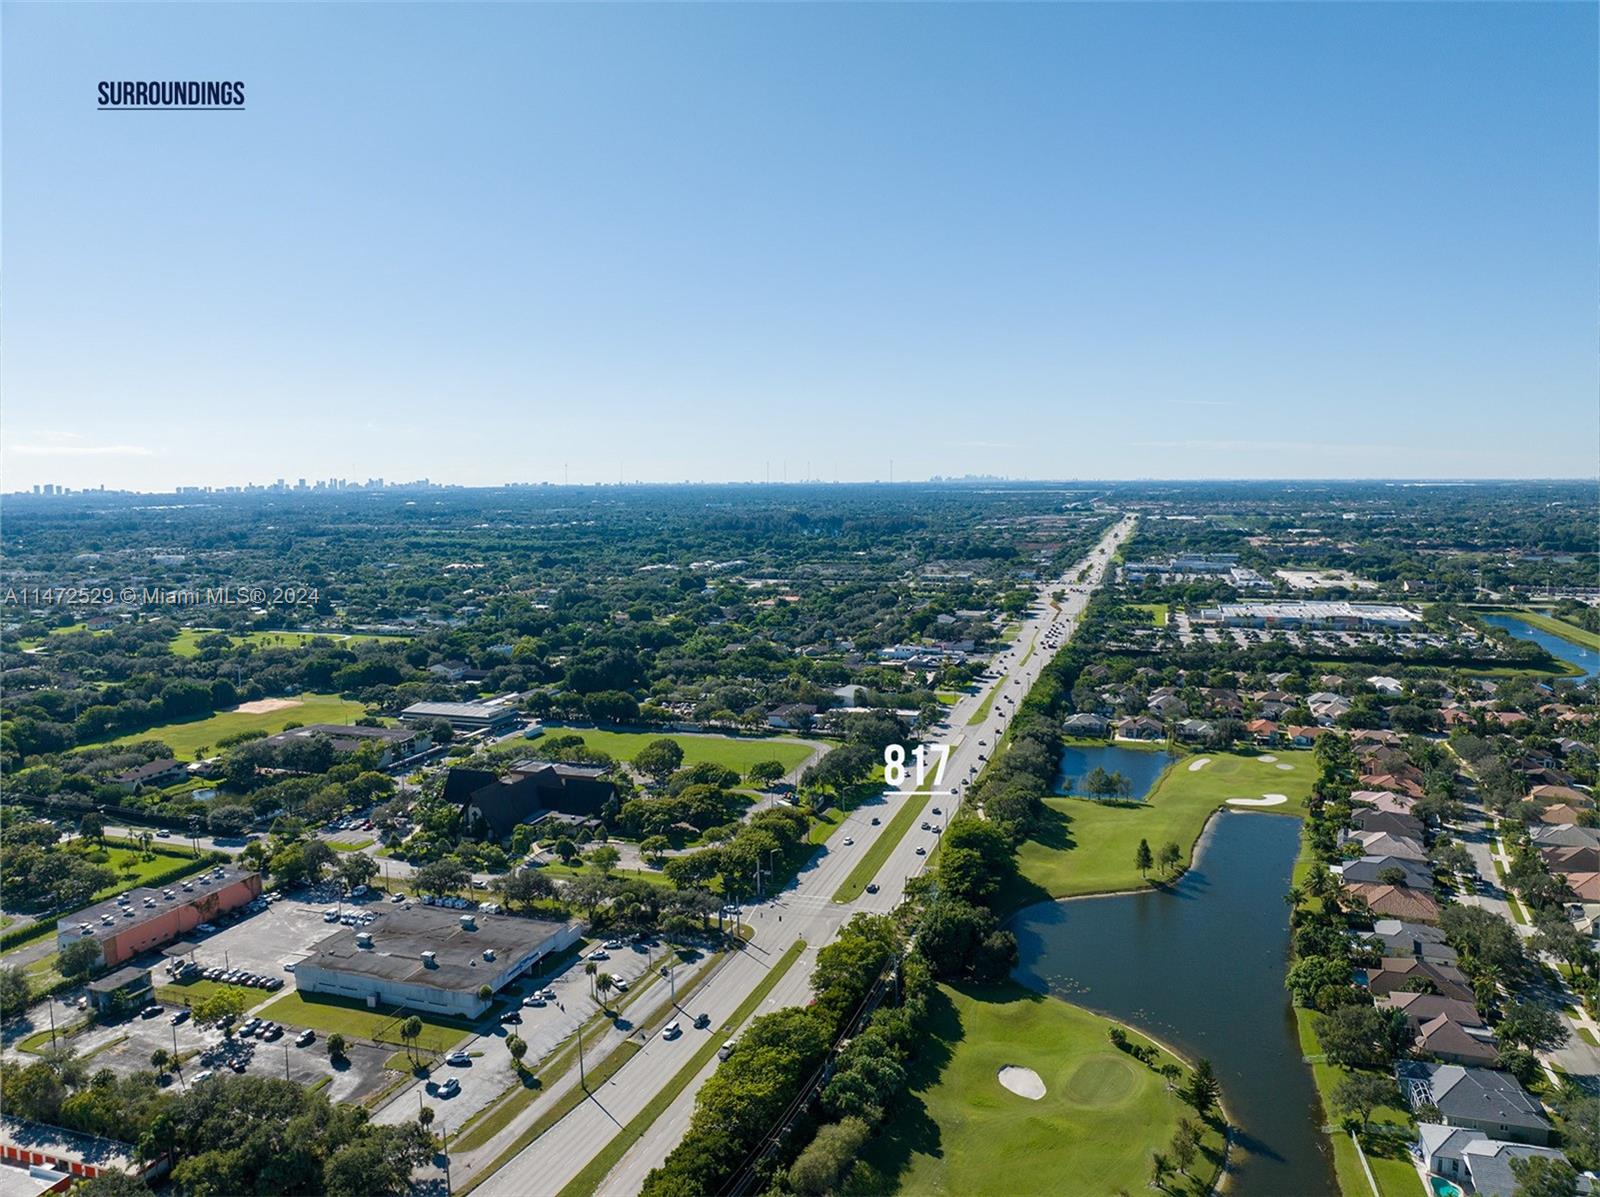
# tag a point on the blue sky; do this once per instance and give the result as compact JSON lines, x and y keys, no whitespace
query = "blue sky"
{"x":494,"y":243}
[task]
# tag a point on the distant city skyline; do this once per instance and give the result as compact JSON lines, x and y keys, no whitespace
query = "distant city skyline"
{"x":491,"y":244}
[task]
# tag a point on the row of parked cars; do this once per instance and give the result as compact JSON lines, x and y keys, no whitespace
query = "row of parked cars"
{"x":239,"y":976}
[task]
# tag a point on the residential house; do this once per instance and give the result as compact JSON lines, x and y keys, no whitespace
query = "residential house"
{"x":1385,"y":800}
{"x":1086,"y":724}
{"x":1407,"y":826}
{"x":1194,"y":729}
{"x":1263,"y":731}
{"x":1566,"y":794}
{"x":1416,"y":874}
{"x":1141,"y":727}
{"x":1424,"y":1007}
{"x":1443,"y":1038}
{"x":1471,"y":1160}
{"x":1408,"y":973}
{"x":1560,"y":813}
{"x":1396,"y":901}
{"x":1413,"y":939}
{"x":1383,"y":684}
{"x":1384,"y":843}
{"x":1167,"y":706}
{"x":1559,"y":836}
{"x":1475,"y":1098}
{"x":1304,"y":737}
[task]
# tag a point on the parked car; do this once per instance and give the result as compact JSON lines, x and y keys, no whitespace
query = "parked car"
{"x":305,"y":1038}
{"x":458,"y":1058}
{"x":450,"y":1088}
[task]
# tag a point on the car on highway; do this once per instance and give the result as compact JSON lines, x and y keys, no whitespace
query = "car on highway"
{"x":921,"y":851}
{"x":926,"y":825}
{"x":848,"y":841}
{"x":725,"y":1050}
{"x":872,"y":887}
{"x":702,"y":1020}
{"x":672,"y":1030}
{"x":937,"y":811}
{"x":876,"y":820}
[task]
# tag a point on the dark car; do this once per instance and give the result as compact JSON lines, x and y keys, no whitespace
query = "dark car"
{"x":872,"y":887}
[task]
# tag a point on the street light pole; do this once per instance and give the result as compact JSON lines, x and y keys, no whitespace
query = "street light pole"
{"x":583,"y":1079}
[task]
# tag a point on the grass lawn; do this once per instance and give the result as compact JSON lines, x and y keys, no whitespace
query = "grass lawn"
{"x":323,"y":1012}
{"x":1088,"y":847}
{"x":349,"y":845}
{"x":1158,"y":612}
{"x":186,"y":737}
{"x":588,"y":870}
{"x":1383,"y":1145}
{"x":187,"y":642}
{"x":982,"y":712}
{"x":731,"y":752}
{"x":187,"y":993}
{"x":1569,"y":632}
{"x":911,"y":808}
{"x":1103,"y":1113}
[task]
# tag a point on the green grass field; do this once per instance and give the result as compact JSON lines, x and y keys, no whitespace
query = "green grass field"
{"x":186,"y":643}
{"x":1382,"y":1145}
{"x":1157,"y":612}
{"x":187,"y":993}
{"x":324,"y":1012}
{"x":1088,"y":847}
{"x":1102,"y":1115}
{"x":186,"y":737}
{"x":731,"y":752}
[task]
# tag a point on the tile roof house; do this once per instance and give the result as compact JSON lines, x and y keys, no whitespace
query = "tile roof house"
{"x":1475,"y":1098}
{"x":1141,"y":727}
{"x":1396,"y":901}
{"x":1385,"y":800}
{"x":1443,"y":1038}
{"x":1549,"y":793}
{"x":1086,"y":724}
{"x":1407,"y":972}
{"x":1424,"y":1007}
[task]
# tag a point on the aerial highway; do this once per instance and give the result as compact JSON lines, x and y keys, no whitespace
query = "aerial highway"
{"x":805,"y":909}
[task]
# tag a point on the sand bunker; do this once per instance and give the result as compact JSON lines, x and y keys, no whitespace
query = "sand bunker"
{"x":1196,"y":766}
{"x":1266,"y":758}
{"x":1024,"y":1082}
{"x":265,"y":706}
{"x":1264,"y":800}
{"x":1286,"y":768}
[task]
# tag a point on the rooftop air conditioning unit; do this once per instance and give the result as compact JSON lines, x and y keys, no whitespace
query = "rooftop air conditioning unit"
{"x":430,"y":960}
{"x":468,"y":923}
{"x":488,"y":953}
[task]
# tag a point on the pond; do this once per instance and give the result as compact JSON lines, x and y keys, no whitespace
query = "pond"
{"x":1140,"y":766}
{"x":1201,"y":966}
{"x":1586,"y":659}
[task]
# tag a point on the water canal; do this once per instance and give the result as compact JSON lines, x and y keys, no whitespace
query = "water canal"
{"x":1586,"y":659}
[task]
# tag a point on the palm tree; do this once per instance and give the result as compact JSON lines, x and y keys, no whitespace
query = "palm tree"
{"x":410,"y":1031}
{"x":603,"y":984}
{"x":590,"y":969}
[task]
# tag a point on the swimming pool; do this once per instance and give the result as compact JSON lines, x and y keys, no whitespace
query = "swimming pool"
{"x":1444,"y":1188}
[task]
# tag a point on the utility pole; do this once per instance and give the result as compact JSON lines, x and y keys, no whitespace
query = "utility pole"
{"x":286,"y":1061}
{"x":448,"y":1187}
{"x":583,"y":1079}
{"x":670,"y":974}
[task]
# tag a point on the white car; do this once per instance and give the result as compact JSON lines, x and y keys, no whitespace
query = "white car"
{"x":534,"y":999}
{"x":458,"y":1058}
{"x":921,"y":851}
{"x":599,"y":954}
{"x":672,"y":1030}
{"x":848,"y":841}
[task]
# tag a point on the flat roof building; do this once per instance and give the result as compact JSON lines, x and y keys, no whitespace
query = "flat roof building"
{"x":395,"y":742}
{"x":462,"y":716}
{"x":145,"y":918}
{"x":431,"y":959}
{"x":1312,"y":613}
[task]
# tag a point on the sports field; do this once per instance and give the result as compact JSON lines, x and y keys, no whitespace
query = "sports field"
{"x":1088,"y":847}
{"x":185,"y":737}
{"x":1092,"y":1133}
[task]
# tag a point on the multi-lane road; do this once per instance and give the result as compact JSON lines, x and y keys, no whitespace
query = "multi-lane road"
{"x":804,"y":910}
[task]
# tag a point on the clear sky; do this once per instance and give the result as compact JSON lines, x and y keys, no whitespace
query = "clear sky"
{"x":490,"y":243}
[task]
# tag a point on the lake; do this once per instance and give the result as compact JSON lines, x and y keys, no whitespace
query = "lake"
{"x":1140,"y":767}
{"x":1201,"y":966}
{"x":1586,"y":659}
